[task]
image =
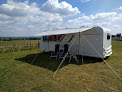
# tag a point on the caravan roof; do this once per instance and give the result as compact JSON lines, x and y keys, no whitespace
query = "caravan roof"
{"x":62,"y":31}
{"x":66,"y":31}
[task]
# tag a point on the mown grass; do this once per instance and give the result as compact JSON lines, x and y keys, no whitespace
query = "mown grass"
{"x":19,"y":74}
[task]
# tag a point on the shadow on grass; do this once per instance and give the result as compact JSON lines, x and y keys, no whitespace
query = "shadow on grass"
{"x":43,"y":60}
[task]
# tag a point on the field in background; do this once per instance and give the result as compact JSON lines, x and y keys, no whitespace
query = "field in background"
{"x":16,"y":45}
{"x":18,"y":73}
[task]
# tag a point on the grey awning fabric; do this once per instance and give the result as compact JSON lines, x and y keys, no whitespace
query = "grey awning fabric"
{"x":61,"y":31}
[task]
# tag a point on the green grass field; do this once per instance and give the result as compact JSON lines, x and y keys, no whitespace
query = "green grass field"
{"x":18,"y":73}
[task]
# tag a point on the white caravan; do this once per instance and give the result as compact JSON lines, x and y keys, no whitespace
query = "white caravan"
{"x":93,"y":42}
{"x":118,"y":37}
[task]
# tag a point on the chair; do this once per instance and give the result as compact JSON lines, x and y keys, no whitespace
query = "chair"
{"x":65,"y":48}
{"x":73,"y":55}
{"x":56,"y":52}
{"x":63,"y":52}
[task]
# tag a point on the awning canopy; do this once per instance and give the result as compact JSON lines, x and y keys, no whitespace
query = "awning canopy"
{"x":61,"y":31}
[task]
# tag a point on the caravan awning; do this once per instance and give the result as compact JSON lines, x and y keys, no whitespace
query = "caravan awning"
{"x":61,"y":31}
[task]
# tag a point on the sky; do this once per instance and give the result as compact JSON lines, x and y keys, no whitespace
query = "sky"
{"x":20,"y":18}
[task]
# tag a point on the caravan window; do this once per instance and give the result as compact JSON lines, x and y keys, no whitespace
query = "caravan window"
{"x":45,"y":38}
{"x":55,"y":37}
{"x":108,"y":36}
{"x":61,"y":37}
{"x":52,"y":37}
{"x":71,"y":38}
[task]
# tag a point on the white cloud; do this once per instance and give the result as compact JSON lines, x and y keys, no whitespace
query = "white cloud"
{"x":26,"y":19}
{"x":18,"y":9}
{"x":2,"y":16}
{"x":101,"y":19}
{"x":79,"y":19}
{"x":85,"y":0}
{"x":31,"y":26}
{"x":116,"y":26}
{"x":120,"y":8}
{"x":116,"y":29}
{"x":20,"y":17}
{"x":63,"y":8}
{"x":110,"y":16}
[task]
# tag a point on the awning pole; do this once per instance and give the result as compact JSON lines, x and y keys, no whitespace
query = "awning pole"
{"x":30,"y":45}
{"x":102,"y":58}
{"x":82,"y":55}
{"x":48,"y":42}
{"x":82,"y":48}
{"x":79,"y":47}
{"x":82,"y":59}
{"x":65,"y":57}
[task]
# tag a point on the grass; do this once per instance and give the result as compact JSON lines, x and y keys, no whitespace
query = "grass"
{"x":19,"y":74}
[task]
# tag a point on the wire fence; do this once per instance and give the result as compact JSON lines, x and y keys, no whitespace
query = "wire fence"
{"x":25,"y":45}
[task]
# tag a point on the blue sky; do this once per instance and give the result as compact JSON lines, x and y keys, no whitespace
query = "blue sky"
{"x":30,"y":17}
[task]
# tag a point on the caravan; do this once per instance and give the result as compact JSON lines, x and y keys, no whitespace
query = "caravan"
{"x":93,"y":42}
{"x":118,"y":37}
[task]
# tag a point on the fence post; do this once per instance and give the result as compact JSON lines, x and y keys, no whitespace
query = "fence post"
{"x":38,"y":44}
{"x":14,"y":46}
{"x":30,"y":45}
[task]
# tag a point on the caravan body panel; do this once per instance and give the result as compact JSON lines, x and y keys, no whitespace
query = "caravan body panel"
{"x":92,"y":42}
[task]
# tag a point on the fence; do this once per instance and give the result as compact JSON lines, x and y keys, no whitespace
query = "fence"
{"x":9,"y":47}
